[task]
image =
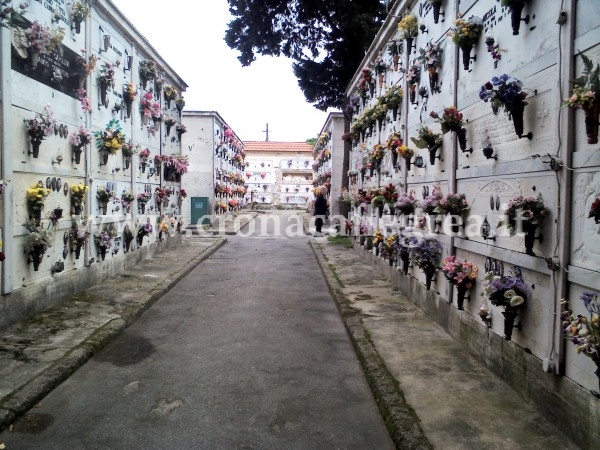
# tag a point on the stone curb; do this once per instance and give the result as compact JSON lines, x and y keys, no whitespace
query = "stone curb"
{"x":399,"y":417}
{"x":22,"y":400}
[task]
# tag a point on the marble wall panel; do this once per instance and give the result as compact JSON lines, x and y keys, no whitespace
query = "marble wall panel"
{"x":585,"y":236}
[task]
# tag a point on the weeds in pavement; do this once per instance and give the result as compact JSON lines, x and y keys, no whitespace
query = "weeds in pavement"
{"x":340,"y":240}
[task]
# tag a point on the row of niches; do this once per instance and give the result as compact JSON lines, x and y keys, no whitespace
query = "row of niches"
{"x":90,"y":210}
{"x":296,"y":164}
{"x":427,"y":259}
{"x":39,"y":55}
{"x":48,"y":139}
{"x":511,"y":213}
{"x":59,"y":199}
{"x":51,"y":250}
{"x":509,"y":298}
{"x":500,"y":90}
{"x":42,"y":41}
{"x":254,"y":164}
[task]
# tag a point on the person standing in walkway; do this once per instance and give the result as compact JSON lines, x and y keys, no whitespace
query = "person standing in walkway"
{"x":320,"y":210}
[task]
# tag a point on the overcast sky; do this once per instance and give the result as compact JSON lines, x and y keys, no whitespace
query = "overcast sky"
{"x":189,"y":35}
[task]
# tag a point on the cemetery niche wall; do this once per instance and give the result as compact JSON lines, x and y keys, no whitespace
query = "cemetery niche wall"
{"x":89,"y":160}
{"x":472,"y":138}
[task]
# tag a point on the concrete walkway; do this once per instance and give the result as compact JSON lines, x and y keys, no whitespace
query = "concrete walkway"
{"x":415,"y":368}
{"x":38,"y":354}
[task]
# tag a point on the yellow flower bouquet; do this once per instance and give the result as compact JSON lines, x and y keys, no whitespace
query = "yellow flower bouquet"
{"x":79,"y":190}
{"x":36,"y":196}
{"x":111,"y":139}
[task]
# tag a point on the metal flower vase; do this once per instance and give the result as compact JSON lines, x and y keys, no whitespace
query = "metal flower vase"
{"x":35,"y":147}
{"x":530,"y":228}
{"x":466,"y":55}
{"x":592,"y":116}
{"x":516,"y":8}
{"x":429,"y":274}
{"x":434,"y":78}
{"x":461,"y":292}
{"x":37,"y":255}
{"x":77,"y":154}
{"x":433,"y":153}
{"x":436,"y":11}
{"x":405,"y":258}
{"x":509,"y":322}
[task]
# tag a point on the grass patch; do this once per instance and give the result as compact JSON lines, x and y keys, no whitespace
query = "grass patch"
{"x":340,"y":240}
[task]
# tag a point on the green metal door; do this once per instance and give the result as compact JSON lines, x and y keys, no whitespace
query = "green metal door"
{"x":199,"y":211}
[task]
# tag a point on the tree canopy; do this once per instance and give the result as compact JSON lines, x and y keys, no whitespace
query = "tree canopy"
{"x":327,"y":39}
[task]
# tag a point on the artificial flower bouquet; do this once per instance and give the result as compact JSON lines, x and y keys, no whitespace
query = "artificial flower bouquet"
{"x":453,"y":204}
{"x":80,"y":137}
{"x":107,"y":74}
{"x":42,"y":126}
{"x":389,"y":194}
{"x":429,"y":205}
{"x":524,"y":210}
{"x":147,"y":70}
{"x":35,"y":199}
{"x":377,"y":152}
{"x":79,"y":236}
{"x":104,"y":238}
{"x":111,"y":139}
{"x":426,"y":256}
{"x":431,"y":57}
{"x":426,"y":138}
{"x":104,"y":194}
{"x":144,"y":153}
{"x":36,"y":243}
{"x":450,"y":120}
{"x":405,"y":152}
{"x":406,"y":203}
{"x":465,"y":34}
{"x":584,"y":331}
{"x":461,"y":274}
{"x":80,"y":10}
{"x":143,"y":198}
{"x":393,"y":141}
{"x":393,"y":97}
{"x":585,"y":96}
{"x":408,"y":27}
{"x":466,"y":31}
{"x":79,"y":190}
{"x":503,"y":91}
{"x":509,"y":292}
{"x":585,"y":87}
{"x":127,"y":198}
{"x":595,"y":210}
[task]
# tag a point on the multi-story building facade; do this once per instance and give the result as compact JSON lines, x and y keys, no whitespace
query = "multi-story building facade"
{"x":477,"y":104}
{"x":89,"y":161}
{"x":215,"y":183}
{"x":279,"y":174}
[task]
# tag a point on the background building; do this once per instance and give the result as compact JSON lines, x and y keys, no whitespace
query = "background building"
{"x":279,"y":173}
{"x":215,"y":183}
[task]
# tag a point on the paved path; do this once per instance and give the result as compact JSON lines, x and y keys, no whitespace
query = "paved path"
{"x":459,"y":402}
{"x":247,"y":351}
